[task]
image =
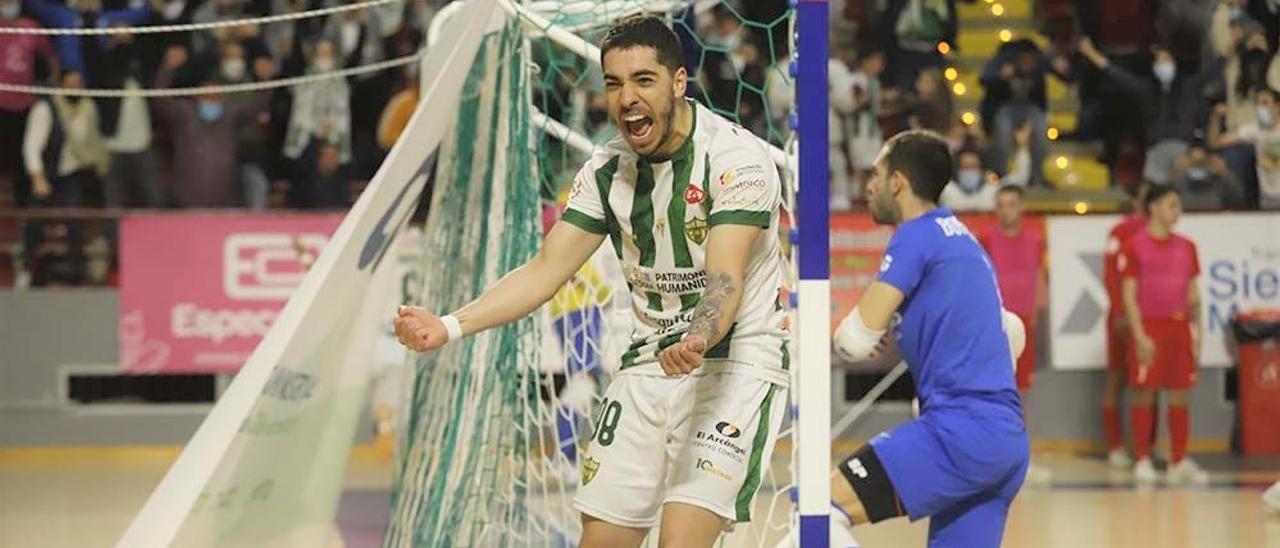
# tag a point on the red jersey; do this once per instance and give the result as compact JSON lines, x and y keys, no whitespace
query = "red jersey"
{"x":1164,"y":269}
{"x":1121,"y":232}
{"x":18,"y":61}
{"x":1019,"y":261}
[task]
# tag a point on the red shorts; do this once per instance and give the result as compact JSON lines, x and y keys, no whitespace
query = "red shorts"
{"x":1026,"y":369}
{"x":1174,"y":364}
{"x":1118,"y":343}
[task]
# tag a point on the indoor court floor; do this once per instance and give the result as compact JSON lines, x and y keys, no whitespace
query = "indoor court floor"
{"x":84,"y":498}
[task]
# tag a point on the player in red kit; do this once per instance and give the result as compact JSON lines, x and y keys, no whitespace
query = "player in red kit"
{"x":1118,"y":336}
{"x":1162,"y":303}
{"x":1017,"y":252}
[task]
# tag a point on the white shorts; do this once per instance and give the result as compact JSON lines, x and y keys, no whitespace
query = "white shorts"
{"x":703,"y":440}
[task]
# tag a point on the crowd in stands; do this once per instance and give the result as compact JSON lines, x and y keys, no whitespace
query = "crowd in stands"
{"x":1175,"y":92}
{"x":311,"y":144}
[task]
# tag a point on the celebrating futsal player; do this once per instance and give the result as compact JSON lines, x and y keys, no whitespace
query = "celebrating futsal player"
{"x":689,"y":202}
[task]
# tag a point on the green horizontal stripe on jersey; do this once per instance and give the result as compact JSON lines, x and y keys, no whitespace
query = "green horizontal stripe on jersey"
{"x":637,"y":348}
{"x":604,"y":181}
{"x":740,"y":217}
{"x":584,"y":221}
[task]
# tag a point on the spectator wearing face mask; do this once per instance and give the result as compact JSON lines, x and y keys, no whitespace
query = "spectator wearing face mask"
{"x":1250,"y":65}
{"x":202,"y":133}
{"x":251,"y":139}
{"x":321,"y":114}
{"x":974,"y":187}
{"x":64,"y":154}
{"x":1170,"y":97}
{"x":1264,"y":135}
{"x":1205,"y":183}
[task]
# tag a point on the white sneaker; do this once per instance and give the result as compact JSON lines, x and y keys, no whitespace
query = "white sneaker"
{"x":1119,"y":458}
{"x":1271,"y":499}
{"x":1187,"y":472}
{"x":1144,"y":472}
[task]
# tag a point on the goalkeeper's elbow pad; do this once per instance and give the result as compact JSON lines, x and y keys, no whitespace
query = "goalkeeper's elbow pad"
{"x":854,"y":339}
{"x":1015,"y":331}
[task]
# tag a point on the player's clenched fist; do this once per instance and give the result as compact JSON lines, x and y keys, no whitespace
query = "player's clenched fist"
{"x":420,"y":330}
{"x":683,"y":357}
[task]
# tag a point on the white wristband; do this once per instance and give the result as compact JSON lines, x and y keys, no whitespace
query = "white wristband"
{"x":452,"y":326}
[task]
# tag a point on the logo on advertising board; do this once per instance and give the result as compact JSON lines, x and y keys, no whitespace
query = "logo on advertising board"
{"x":199,"y":291}
{"x":1239,"y":269}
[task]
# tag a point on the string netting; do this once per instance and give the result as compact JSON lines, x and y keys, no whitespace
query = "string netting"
{"x":496,"y":424}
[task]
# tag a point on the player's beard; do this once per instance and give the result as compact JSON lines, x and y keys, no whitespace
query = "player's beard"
{"x":666,"y":117}
{"x":884,"y":209}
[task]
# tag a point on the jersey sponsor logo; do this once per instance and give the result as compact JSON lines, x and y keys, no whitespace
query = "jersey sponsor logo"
{"x":728,"y":429}
{"x":722,"y":444}
{"x":709,"y":467}
{"x":668,"y":282}
{"x":740,"y":172}
{"x":696,"y":230}
{"x":693,"y":195}
{"x":589,"y":468}
{"x":886,"y":262}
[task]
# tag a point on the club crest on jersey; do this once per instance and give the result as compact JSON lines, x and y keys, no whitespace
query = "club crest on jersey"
{"x":696,"y":230}
{"x":589,"y":468}
{"x":693,"y":195}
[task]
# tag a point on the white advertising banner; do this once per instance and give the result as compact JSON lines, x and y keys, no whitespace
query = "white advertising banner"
{"x":1239,"y":270}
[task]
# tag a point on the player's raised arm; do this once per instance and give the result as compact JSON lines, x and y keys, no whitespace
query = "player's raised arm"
{"x":728,"y":255}
{"x":517,"y":294}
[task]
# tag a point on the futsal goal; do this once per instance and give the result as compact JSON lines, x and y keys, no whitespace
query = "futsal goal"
{"x":490,"y":443}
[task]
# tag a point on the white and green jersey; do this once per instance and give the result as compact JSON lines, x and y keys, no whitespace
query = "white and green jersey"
{"x":657,"y":215}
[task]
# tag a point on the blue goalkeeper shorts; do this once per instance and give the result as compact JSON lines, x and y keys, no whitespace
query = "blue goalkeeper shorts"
{"x":961,"y":465}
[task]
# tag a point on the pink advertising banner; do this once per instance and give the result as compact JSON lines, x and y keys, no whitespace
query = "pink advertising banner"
{"x":198,"y":291}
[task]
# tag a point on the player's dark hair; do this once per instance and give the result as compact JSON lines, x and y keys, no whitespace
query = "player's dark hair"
{"x":1013,"y":189}
{"x":1156,"y":192}
{"x":923,"y":157}
{"x":644,"y":30}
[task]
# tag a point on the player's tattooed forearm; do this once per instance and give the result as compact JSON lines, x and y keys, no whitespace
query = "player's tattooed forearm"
{"x":707,"y":316}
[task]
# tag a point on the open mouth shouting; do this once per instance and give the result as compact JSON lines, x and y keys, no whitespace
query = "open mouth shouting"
{"x":639,"y":130}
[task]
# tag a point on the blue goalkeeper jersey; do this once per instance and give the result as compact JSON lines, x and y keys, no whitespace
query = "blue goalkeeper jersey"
{"x":948,"y":327}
